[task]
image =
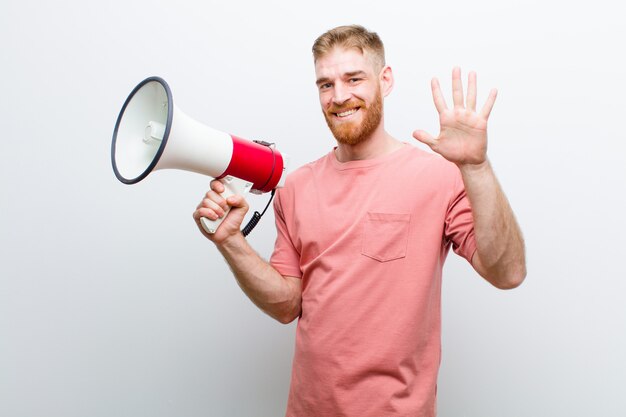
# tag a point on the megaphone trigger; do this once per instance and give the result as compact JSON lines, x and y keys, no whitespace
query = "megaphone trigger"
{"x":232,"y":186}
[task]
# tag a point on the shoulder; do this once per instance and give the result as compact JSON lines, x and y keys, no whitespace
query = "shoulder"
{"x":301,"y":178}
{"x":432,"y":174}
{"x":303,"y":174}
{"x":431,"y":163}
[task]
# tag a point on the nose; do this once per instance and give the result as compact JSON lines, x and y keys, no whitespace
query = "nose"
{"x":341,"y":94}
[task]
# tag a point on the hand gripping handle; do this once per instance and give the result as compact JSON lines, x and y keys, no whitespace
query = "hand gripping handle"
{"x":232,"y":186}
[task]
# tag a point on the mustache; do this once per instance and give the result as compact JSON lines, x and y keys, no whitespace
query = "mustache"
{"x":346,"y":106}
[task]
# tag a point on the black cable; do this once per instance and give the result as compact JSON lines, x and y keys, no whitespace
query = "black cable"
{"x":256,"y":217}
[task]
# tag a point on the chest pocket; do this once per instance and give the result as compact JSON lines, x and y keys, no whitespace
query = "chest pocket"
{"x":385,"y":236}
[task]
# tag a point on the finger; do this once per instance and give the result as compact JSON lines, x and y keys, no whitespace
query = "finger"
{"x":201,"y":203}
{"x":457,"y":87}
{"x":212,"y":205}
{"x":471,"y":91}
{"x":486,"y":111}
{"x":424,"y":137}
{"x":217,"y":186}
{"x":206,"y":213}
{"x":237,"y":201}
{"x":440,"y":102}
{"x":214,"y":196}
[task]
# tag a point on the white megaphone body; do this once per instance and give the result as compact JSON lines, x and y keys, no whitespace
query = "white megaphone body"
{"x":151,"y":133}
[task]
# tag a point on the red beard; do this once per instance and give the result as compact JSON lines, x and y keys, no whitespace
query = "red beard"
{"x":350,"y":132}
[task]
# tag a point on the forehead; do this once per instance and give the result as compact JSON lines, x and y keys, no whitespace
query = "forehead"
{"x":341,"y":60}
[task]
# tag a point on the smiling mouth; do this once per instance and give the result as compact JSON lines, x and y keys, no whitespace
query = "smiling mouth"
{"x":347,"y":112}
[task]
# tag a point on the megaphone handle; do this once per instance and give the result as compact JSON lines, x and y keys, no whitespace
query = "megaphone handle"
{"x":232,"y":186}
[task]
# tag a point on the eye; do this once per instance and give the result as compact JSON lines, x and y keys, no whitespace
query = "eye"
{"x":325,"y":86}
{"x":354,"y":80}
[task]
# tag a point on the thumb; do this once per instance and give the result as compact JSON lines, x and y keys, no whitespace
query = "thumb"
{"x":237,"y":201}
{"x":424,"y":137}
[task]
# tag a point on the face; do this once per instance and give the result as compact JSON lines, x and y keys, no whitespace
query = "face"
{"x":351,"y":94}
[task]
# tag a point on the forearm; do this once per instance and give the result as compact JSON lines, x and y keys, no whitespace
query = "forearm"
{"x":500,"y":245}
{"x":278,"y":296}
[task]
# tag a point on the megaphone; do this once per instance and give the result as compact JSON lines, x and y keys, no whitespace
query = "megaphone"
{"x":151,"y":133}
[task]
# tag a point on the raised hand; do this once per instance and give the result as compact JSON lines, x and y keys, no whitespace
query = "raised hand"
{"x":463,"y":131}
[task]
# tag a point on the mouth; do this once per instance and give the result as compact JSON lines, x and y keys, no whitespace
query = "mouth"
{"x":346,"y":113}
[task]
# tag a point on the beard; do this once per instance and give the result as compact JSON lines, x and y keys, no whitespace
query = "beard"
{"x":351,"y":132}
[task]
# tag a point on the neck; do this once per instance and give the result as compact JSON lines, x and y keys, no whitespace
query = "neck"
{"x":380,"y":143}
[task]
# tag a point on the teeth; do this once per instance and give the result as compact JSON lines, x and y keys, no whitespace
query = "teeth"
{"x":347,"y":113}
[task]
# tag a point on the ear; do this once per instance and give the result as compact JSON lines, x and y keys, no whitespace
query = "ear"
{"x":386,"y":80}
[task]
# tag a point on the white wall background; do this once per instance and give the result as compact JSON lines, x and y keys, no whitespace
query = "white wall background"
{"x":112,"y":304}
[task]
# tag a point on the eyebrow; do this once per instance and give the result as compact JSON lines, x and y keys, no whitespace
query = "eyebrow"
{"x":353,"y":73}
{"x":349,"y":74}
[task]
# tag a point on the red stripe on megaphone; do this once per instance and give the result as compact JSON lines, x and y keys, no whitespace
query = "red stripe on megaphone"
{"x":259,"y":164}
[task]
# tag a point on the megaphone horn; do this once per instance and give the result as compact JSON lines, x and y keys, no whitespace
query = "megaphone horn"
{"x":151,"y":133}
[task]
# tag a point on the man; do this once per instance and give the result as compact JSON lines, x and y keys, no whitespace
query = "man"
{"x":363,"y":233}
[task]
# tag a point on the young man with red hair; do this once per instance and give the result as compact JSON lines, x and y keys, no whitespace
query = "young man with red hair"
{"x":363,"y":233}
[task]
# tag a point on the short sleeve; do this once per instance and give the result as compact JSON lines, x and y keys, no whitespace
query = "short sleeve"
{"x":285,"y":258}
{"x":459,"y":223}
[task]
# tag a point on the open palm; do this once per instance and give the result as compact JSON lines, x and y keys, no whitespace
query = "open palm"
{"x":463,"y":131}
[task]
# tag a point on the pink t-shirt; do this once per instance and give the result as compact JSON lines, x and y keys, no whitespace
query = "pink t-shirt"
{"x":369,"y":239}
